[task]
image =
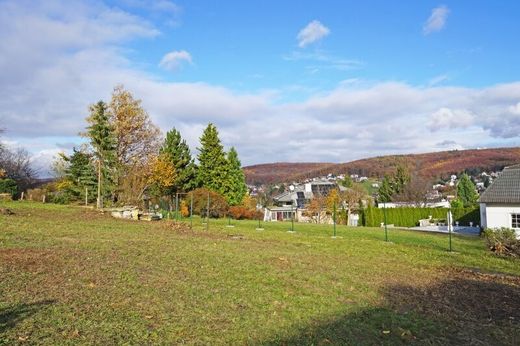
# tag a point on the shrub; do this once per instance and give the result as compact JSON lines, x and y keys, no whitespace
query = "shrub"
{"x":185,"y":211}
{"x":218,"y":206}
{"x":503,"y":241}
{"x":35,"y":194}
{"x":242,"y":213}
{"x":8,"y":186}
{"x":60,"y":198}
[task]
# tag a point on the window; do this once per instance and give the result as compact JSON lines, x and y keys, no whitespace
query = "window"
{"x":515,"y":220}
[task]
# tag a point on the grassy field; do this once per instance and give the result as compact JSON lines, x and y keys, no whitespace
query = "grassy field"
{"x":74,"y":276}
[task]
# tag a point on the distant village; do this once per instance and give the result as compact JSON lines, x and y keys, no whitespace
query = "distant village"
{"x":285,"y":201}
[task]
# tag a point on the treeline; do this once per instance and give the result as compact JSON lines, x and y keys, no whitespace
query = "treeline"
{"x":409,"y":217}
{"x":127,"y":160}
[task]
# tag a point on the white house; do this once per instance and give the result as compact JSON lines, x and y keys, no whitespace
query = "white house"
{"x":500,"y":203}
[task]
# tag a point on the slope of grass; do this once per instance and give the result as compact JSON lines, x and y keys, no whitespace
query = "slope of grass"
{"x":71,"y":275}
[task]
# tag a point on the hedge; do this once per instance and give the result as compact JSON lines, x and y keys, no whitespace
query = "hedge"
{"x":409,"y":217}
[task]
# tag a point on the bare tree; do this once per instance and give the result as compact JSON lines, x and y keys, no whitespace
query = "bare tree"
{"x":16,"y":165}
{"x":415,"y":191}
{"x":352,"y":196}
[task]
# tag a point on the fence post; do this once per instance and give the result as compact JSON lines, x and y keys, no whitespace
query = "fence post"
{"x":450,"y":225}
{"x":207,"y":214}
{"x":384,"y":216}
{"x":176,"y":206}
{"x":292,"y":219}
{"x":334,"y":218}
{"x":191,"y":211}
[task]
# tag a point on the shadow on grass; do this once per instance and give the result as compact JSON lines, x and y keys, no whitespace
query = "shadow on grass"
{"x":465,"y":308}
{"x":13,"y":314}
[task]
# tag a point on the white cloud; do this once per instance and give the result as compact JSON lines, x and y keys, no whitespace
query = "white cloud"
{"x":314,"y":31}
{"x":437,"y":20}
{"x":322,"y":60}
{"x":446,"y":118}
{"x":515,"y":109}
{"x":173,"y":60}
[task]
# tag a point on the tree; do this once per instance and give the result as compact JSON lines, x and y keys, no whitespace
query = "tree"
{"x":102,"y":139}
{"x":386,"y":191}
{"x":178,"y":153}
{"x":218,"y":206}
{"x":235,"y":182}
{"x":16,"y":165}
{"x":212,"y":171}
{"x":333,"y":198}
{"x":162,"y":175}
{"x":415,"y":191}
{"x":466,"y":191}
{"x":401,"y":179}
{"x":137,"y":138}
{"x":81,"y":174}
{"x":137,"y":144}
{"x":346,"y":182}
{"x":353,"y":197}
{"x":456,"y":203}
{"x":316,"y":207}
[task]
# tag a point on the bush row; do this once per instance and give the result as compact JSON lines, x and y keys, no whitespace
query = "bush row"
{"x":409,"y":217}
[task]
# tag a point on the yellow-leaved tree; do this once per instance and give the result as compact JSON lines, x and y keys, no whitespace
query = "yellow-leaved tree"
{"x":137,"y":145}
{"x":162,"y":174}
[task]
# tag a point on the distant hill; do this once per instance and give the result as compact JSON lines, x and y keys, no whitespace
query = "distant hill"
{"x":429,"y":165}
{"x":270,"y":173}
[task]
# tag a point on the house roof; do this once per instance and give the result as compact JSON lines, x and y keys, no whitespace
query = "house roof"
{"x":505,"y":188}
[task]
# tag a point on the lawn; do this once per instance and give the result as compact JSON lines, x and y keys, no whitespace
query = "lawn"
{"x":70,"y":275}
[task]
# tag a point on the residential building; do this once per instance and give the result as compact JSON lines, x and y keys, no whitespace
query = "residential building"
{"x":500,"y":203}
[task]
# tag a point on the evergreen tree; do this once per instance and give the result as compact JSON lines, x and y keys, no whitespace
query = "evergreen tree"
{"x":212,"y":171}
{"x":178,"y":153}
{"x":81,"y":174}
{"x":401,"y":178}
{"x":103,"y":142}
{"x":466,"y":191}
{"x":385,"y":191}
{"x":235,"y":182}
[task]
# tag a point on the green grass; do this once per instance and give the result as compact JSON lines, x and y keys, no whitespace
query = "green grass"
{"x":73,"y":276}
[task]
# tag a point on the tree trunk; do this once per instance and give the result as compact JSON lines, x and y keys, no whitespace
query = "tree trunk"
{"x":99,"y":201}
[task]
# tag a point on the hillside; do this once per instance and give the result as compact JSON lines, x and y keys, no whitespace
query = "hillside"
{"x":280,"y":171}
{"x":428,"y":165}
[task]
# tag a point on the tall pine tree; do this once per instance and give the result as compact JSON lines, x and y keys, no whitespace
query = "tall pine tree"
{"x":385,"y":191}
{"x":401,"y":179}
{"x":466,"y":191}
{"x":236,"y":187}
{"x":81,"y":174}
{"x":103,"y":142}
{"x":212,"y":171}
{"x":178,"y":153}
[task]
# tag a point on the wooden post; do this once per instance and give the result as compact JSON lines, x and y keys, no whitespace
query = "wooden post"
{"x":21,"y":197}
{"x":86,"y":196}
{"x":99,"y":201}
{"x":43,"y":199}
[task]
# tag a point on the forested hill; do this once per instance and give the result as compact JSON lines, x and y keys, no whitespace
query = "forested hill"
{"x":429,"y":165}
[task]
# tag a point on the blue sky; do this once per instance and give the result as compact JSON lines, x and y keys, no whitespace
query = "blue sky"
{"x":476,"y":47}
{"x":282,"y":80}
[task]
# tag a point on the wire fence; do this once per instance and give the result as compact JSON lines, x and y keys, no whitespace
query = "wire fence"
{"x":181,"y":209}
